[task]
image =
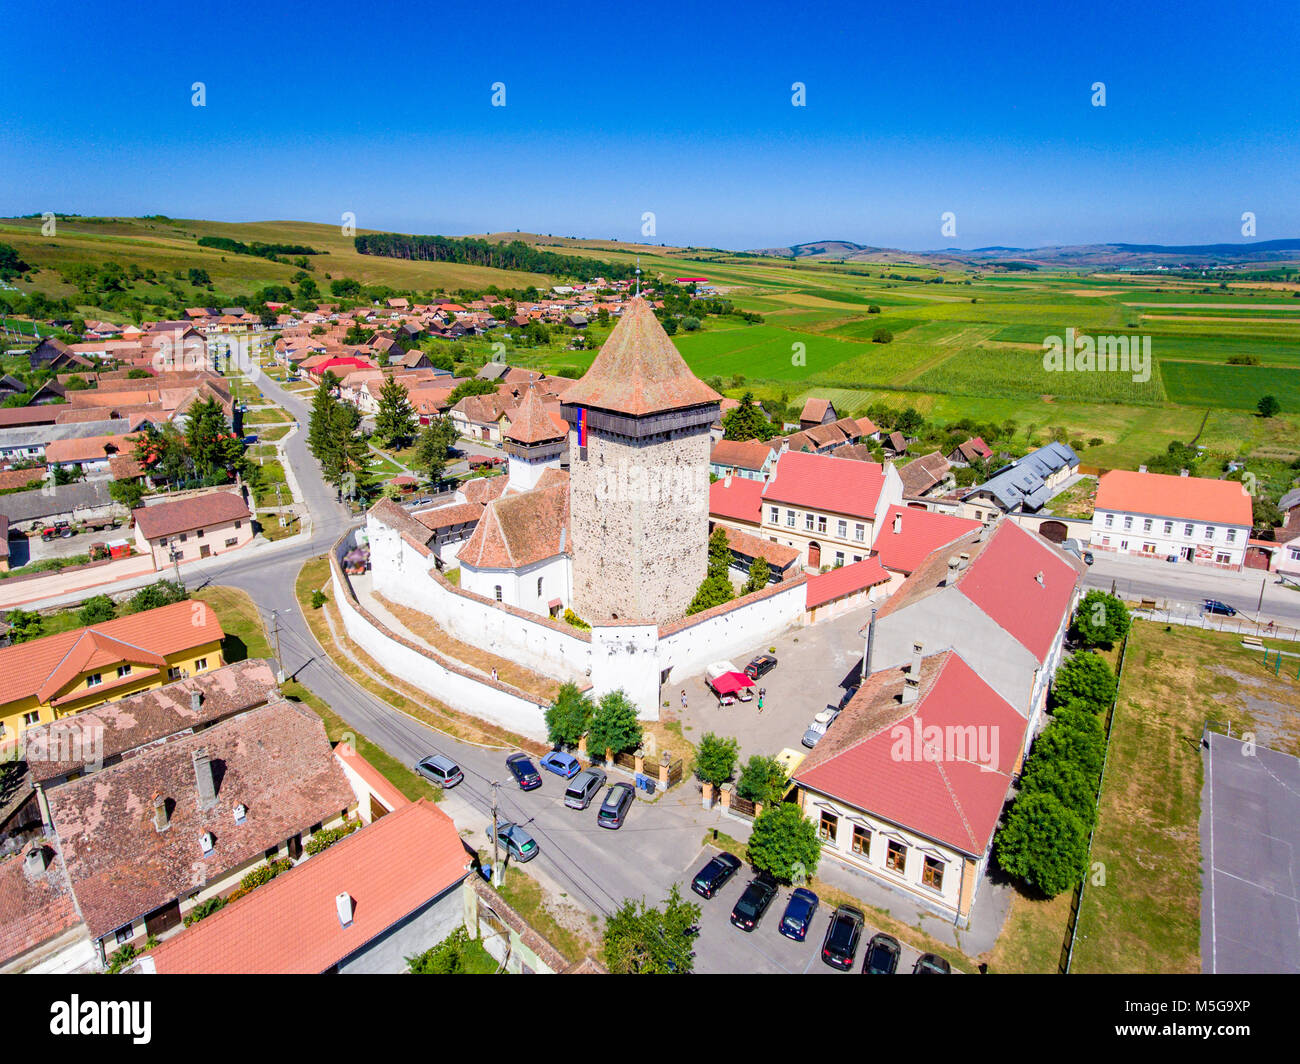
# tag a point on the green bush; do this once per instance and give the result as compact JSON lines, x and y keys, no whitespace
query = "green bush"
{"x":203,"y":909}
{"x":323,"y":840}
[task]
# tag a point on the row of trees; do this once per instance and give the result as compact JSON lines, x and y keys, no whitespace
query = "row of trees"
{"x":26,"y":625}
{"x":610,"y":724}
{"x":1044,"y":840}
{"x":515,"y":255}
{"x":335,"y":439}
{"x":715,"y":588}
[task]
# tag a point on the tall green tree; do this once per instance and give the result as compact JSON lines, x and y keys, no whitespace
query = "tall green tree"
{"x":435,"y":440}
{"x":716,"y":587}
{"x":784,"y":842}
{"x":715,"y":759}
{"x":569,"y":716}
{"x":1044,"y":843}
{"x":1084,"y":681}
{"x":210,"y":443}
{"x":763,"y":779}
{"x":473,"y":386}
{"x":760,"y":575}
{"x":395,"y":421}
{"x":1100,"y":620}
{"x":747,"y":422}
{"x":614,"y":725}
{"x":640,"y":940}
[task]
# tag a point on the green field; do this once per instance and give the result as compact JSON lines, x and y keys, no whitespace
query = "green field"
{"x":1234,"y":387}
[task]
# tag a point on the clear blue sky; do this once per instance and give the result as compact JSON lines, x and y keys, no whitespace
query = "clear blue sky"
{"x":384,"y":109}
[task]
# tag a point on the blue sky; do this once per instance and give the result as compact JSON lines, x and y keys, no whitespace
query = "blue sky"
{"x":912,"y":110}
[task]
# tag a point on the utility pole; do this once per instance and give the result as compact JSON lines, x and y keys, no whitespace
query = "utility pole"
{"x":1258,"y":609}
{"x":275,"y":630}
{"x":496,"y":861}
{"x":176,"y":561}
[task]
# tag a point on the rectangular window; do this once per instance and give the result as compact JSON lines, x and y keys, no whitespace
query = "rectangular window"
{"x":821,"y":525}
{"x":789,"y":519}
{"x":861,"y":840}
{"x":829,"y":827}
{"x":1146,"y":525}
{"x":182,"y":537}
{"x":199,"y":534}
{"x":932,"y":873}
{"x":1128,"y":523}
{"x":1209,"y":532}
{"x":33,"y":718}
{"x":201,"y":664}
{"x":162,"y":541}
{"x":808,"y":522}
{"x":1169,"y":528}
{"x":94,"y":679}
{"x":1222,"y":558}
{"x":239,"y":524}
{"x":860,"y":533}
{"x":896,"y":856}
{"x":774,"y":515}
{"x":1295,"y":554}
{"x":123,"y":670}
{"x":123,"y":935}
{"x":842,"y":529}
{"x":539,"y":587}
{"x":857,"y":558}
{"x":1187,"y":531}
{"x":174,"y":672}
{"x":839,"y":557}
{"x":1232,"y":535}
{"x":232,"y":542}
{"x":1110,"y":520}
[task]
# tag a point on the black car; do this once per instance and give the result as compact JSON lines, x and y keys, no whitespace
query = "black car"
{"x":841,"y":943}
{"x":711,"y":878}
{"x":882,"y":955}
{"x":760,"y":666}
{"x":1215,"y":606}
{"x":523,"y":771}
{"x":753,"y":903}
{"x":931,"y":964}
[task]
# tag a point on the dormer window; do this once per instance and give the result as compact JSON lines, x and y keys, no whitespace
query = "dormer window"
{"x":94,"y":679}
{"x":241,"y":813}
{"x":207,"y":842}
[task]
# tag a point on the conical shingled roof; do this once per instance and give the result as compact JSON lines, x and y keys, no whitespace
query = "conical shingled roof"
{"x":638,"y":371}
{"x":531,"y":423}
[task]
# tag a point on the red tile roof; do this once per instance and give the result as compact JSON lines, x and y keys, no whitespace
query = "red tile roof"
{"x":1223,"y":502}
{"x":814,"y":410}
{"x":777,"y":554}
{"x":518,"y":530}
{"x":291,"y":925}
{"x":824,"y":482}
{"x":949,"y":794}
{"x":458,"y":513}
{"x":740,"y":454}
{"x":530,"y":423}
{"x":49,"y":663}
{"x":638,"y":370}
{"x":847,"y":579}
{"x":33,"y":909}
{"x":741,"y":500}
{"x":185,"y":515}
{"x":919,"y":534}
{"x":88,"y":448}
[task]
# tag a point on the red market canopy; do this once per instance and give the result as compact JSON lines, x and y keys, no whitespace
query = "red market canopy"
{"x":731,"y":682}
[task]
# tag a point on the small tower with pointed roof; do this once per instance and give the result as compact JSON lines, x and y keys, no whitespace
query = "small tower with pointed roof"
{"x":638,"y":475}
{"x":534,"y":443}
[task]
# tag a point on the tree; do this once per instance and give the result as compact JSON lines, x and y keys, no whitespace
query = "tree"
{"x":784,"y":842}
{"x":910,"y":422}
{"x":691,"y":323}
{"x":1085,"y":681}
{"x":151,"y":596}
{"x":1073,"y":787}
{"x":747,"y":422}
{"x":431,"y":452}
{"x":210,"y":443}
{"x":760,"y":575}
{"x":715,"y":760}
{"x":1044,"y":843}
{"x":640,"y":940}
{"x":473,"y":386}
{"x":882,"y":336}
{"x":97,"y":610}
{"x":614,"y":725}
{"x":128,"y":493}
{"x":395,"y":421}
{"x":25,"y":625}
{"x":446,"y":958}
{"x":716,"y":587}
{"x":1074,"y":737}
{"x":1268,"y":406}
{"x":569,"y":716}
{"x":1100,"y":620}
{"x":763,"y":779}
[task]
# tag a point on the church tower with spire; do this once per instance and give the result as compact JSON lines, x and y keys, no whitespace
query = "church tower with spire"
{"x":638,"y":475}
{"x":533,"y":442}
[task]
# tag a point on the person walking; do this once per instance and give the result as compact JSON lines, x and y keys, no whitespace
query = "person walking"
{"x":683,"y":698}
{"x":494,"y":672}
{"x":761,"y":692}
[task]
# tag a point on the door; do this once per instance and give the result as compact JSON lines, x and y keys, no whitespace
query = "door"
{"x":205,"y":551}
{"x":163,"y":919}
{"x":814,"y":555}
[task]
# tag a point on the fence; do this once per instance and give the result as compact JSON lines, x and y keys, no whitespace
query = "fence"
{"x":743,"y":807}
{"x":675,"y":771}
{"x":1076,"y":901}
{"x":626,"y":760}
{"x":1215,"y":623}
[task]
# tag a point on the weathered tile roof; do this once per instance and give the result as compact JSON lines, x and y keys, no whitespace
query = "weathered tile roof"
{"x":530,"y":423}
{"x":185,"y":515}
{"x":33,"y":908}
{"x":518,"y":530}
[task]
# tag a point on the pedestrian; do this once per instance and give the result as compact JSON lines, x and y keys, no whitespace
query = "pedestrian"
{"x":683,"y":698}
{"x":760,"y":700}
{"x":494,"y":672}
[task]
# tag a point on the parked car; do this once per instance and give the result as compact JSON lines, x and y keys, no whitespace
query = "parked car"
{"x":799,"y":913}
{"x":439,"y":769}
{"x":1215,"y":606}
{"x":814,"y":734}
{"x":882,"y":955}
{"x":522,"y":769}
{"x":562,"y":764}
{"x":583,"y":788}
{"x":613,"y":810}
{"x":519,"y":844}
{"x":841,"y":943}
{"x":713,"y":876}
{"x":931,"y":964}
{"x":749,"y":910}
{"x":760,"y":666}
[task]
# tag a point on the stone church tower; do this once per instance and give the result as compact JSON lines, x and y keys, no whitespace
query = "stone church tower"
{"x":638,"y":476}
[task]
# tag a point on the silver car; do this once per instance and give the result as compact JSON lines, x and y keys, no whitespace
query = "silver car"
{"x":519,"y":844}
{"x":583,"y":788}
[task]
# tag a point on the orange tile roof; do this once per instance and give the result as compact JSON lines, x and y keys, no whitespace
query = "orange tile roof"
{"x":88,"y":448}
{"x":518,"y":530}
{"x":41,"y":667}
{"x":1223,"y":502}
{"x":291,"y":925}
{"x":184,"y":515}
{"x":638,"y":370}
{"x":33,"y":910}
{"x":530,"y":423}
{"x":845,"y":580}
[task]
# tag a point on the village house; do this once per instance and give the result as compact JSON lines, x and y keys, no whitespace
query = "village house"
{"x":1025,"y":485}
{"x":183,"y":530}
{"x":751,"y":459}
{"x":1155,"y":515}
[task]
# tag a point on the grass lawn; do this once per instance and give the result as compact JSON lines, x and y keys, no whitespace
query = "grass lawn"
{"x":1147,"y":915}
{"x":272,"y":433}
{"x":526,"y":897}
{"x":1076,"y":500}
{"x":269,"y":415}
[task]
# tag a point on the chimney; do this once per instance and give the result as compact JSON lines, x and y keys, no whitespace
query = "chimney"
{"x":343,"y":906}
{"x":964,"y":559}
{"x":160,"y":821}
{"x":898,"y":523}
{"x":203,"y":777}
{"x":917,"y":650}
{"x":726,"y":481}
{"x":911,"y":690}
{"x":1038,"y":577}
{"x":954,"y":566}
{"x":1182,"y":472}
{"x":196,"y":700}
{"x":35,"y":863}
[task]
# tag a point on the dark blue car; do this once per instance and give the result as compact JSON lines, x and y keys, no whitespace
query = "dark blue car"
{"x":522,"y":769}
{"x":799,"y":913}
{"x":562,"y":764}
